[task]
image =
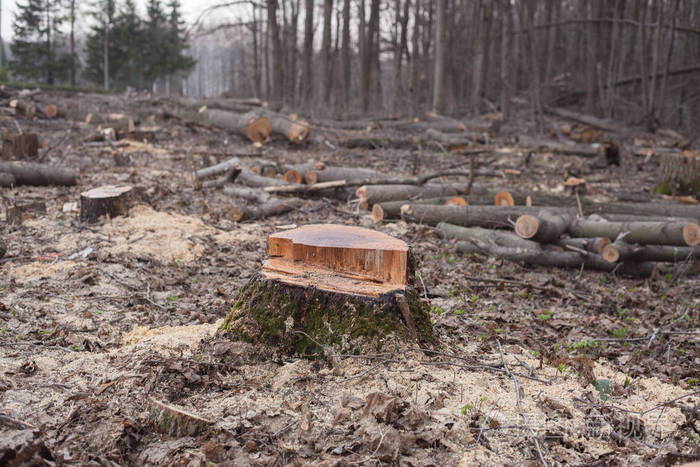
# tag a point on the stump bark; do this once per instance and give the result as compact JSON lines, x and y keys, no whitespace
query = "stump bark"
{"x":347,"y":288}
{"x":679,"y":174}
{"x":107,"y":200}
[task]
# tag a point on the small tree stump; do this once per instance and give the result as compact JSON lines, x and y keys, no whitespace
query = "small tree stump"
{"x":679,"y":174}
{"x":106,"y":200}
{"x":343,"y":287}
{"x":21,"y":146}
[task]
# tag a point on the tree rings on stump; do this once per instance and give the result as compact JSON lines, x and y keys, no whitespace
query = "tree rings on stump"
{"x":107,"y":200}
{"x":322,"y":285}
{"x":258,"y":130}
{"x":504,"y":198}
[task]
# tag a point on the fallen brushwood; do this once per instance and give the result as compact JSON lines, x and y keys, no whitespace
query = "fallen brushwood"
{"x":553,"y":258}
{"x":271,"y":208}
{"x":392,"y":209}
{"x":27,"y":173}
{"x":647,"y":233}
{"x":228,"y":177}
{"x":217,"y":169}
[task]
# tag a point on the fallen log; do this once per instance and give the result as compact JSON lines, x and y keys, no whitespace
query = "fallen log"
{"x":372,"y":194}
{"x":466,"y":216}
{"x":27,"y":173}
{"x":248,"y":178}
{"x":499,"y":237}
{"x":297,"y":131}
{"x":296,"y":173}
{"x":299,"y":189}
{"x":545,"y":227}
{"x":228,"y":177}
{"x":561,"y":259}
{"x":330,"y":174}
{"x":269,"y":209}
{"x":217,"y":169}
{"x":7,"y":180}
{"x":646,"y":233}
{"x":252,"y":125}
{"x":264,"y":167}
{"x":585,"y":150}
{"x":23,"y":108}
{"x":594,"y":245}
{"x":623,"y":251}
{"x":606,"y":217}
{"x":251,"y":194}
{"x":590,"y":120}
{"x":392,"y":209}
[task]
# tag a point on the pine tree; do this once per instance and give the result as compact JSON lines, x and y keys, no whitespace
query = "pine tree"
{"x":128,"y":43}
{"x":177,"y":43}
{"x":155,"y":57}
{"x":100,"y":53}
{"x":37,"y":40}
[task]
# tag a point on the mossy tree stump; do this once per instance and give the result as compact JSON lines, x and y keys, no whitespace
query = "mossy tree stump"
{"x":679,"y":174}
{"x":347,"y":288}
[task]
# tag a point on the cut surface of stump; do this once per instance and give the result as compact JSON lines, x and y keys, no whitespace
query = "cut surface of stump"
{"x":106,"y":200}
{"x":331,"y":285}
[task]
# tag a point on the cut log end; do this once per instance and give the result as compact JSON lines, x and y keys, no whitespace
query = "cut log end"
{"x":107,"y":200}
{"x":51,"y":111}
{"x":298,"y":132}
{"x":406,"y":211}
{"x":526,"y":226}
{"x":311,"y":177}
{"x":691,"y":234}
{"x":292,"y":176}
{"x":258,"y":130}
{"x":456,"y":201}
{"x":377,"y":213}
{"x":504,"y":198}
{"x":330,"y":285}
{"x":610,"y":253}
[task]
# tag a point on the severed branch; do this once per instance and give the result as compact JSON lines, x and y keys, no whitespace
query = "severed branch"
{"x":520,"y":407}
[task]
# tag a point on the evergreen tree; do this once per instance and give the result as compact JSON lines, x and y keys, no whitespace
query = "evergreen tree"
{"x":155,"y":57}
{"x":99,"y":43}
{"x":128,"y":44}
{"x":37,"y":40}
{"x":177,"y":43}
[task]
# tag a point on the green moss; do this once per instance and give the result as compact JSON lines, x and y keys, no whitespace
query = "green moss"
{"x":663,"y":188}
{"x":282,"y":316}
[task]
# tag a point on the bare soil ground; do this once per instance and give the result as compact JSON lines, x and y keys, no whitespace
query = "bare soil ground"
{"x":95,"y":320}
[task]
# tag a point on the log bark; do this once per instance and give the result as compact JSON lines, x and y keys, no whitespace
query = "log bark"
{"x":545,"y":227}
{"x":466,"y":216}
{"x":561,"y":259}
{"x":392,"y":209}
{"x":251,"y":194}
{"x":111,"y":201}
{"x":269,"y":209}
{"x":330,"y":174}
{"x":499,"y":237}
{"x":621,"y":250}
{"x":250,"y":179}
{"x":27,"y":173}
{"x":252,"y":125}
{"x":23,"y":108}
{"x":585,"y":150}
{"x":7,"y":180}
{"x":679,"y":174}
{"x":320,"y":291}
{"x":594,"y":245}
{"x":217,"y":169}
{"x":21,"y":146}
{"x":646,"y":233}
{"x":264,"y":167}
{"x":372,"y":194}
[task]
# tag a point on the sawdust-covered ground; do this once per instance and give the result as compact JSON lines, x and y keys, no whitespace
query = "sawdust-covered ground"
{"x":97,"y":322}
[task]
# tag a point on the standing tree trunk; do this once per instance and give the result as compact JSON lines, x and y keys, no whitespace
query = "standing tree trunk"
{"x":307,"y":71}
{"x":415,"y":57}
{"x":439,"y":102}
{"x":72,"y":44}
{"x":591,"y":57}
{"x":345,"y":52}
{"x":326,"y":53}
{"x":506,"y":57}
{"x":256,"y":51}
{"x":480,"y":69}
{"x":277,"y":66}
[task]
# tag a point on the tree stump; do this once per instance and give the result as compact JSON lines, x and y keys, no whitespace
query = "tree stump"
{"x":679,"y":174}
{"x":21,"y":146}
{"x":106,"y":200}
{"x":347,"y":288}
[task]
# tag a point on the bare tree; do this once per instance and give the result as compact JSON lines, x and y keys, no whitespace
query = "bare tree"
{"x":439,"y":97}
{"x":326,"y":79}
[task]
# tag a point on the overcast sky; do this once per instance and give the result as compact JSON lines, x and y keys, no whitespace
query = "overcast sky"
{"x":190,"y":8}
